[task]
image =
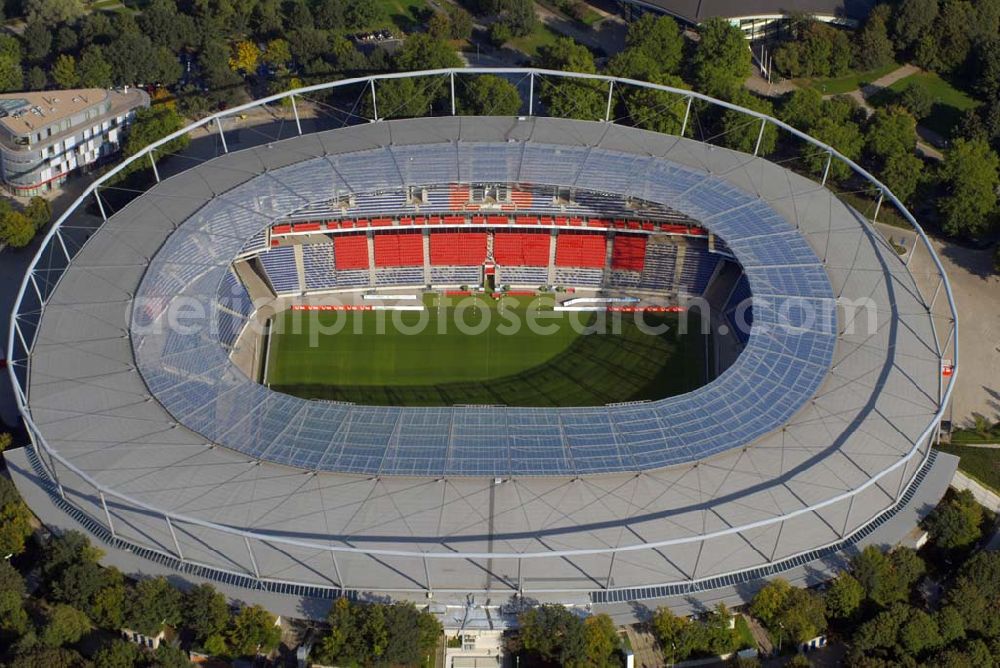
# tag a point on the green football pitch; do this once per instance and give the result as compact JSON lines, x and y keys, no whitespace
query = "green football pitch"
{"x":427,"y":359}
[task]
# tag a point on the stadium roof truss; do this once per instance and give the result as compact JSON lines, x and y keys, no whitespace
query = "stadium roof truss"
{"x":822,"y":425}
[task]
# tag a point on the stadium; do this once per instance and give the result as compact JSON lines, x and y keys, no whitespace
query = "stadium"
{"x":208,"y":396}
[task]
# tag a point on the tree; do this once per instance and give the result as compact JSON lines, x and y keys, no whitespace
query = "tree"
{"x":845,"y":137}
{"x":439,"y":26}
{"x":11,"y":74}
{"x":423,"y":52}
{"x":741,"y":131}
{"x":117,"y":654}
{"x":64,"y":71}
{"x":151,"y":604}
{"x":95,"y":28}
{"x":794,"y":613}
{"x":891,"y":131}
{"x":94,"y":70}
{"x":721,"y":62}
{"x":986,"y":68}
{"x":500,"y":34}
{"x":107,"y":605}
{"x":672,"y":633}
{"x":554,"y":633}
{"x":37,"y":79}
{"x":277,"y":54}
{"x":245,"y":57}
{"x":600,"y":640}
{"x":914,"y":19}
{"x":658,"y":38}
{"x":461,"y":23}
{"x":969,"y":176}
{"x":39,"y":211}
{"x":917,"y":100}
{"x":362,"y":14}
{"x":919,"y":633}
{"x":38,"y":656}
{"x":874,"y":47}
{"x":254,"y":631}
{"x":489,"y":95}
{"x":205,"y":612}
{"x":64,"y":625}
{"x":66,"y":39}
{"x":844,"y":596}
{"x":168,"y":656}
{"x":951,"y":627}
{"x":953,"y":33}
{"x":571,"y":98}
{"x":902,"y":173}
{"x":37,"y":41}
{"x":6,"y":440}
{"x":15,"y":518}
{"x":956,"y":522}
{"x":151,"y":125}
{"x":887,"y":578}
{"x":802,"y":109}
{"x":13,"y":618}
{"x":17,"y":231}
{"x":53,"y":12}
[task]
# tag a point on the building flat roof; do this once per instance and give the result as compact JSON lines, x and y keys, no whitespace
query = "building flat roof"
{"x":36,"y":110}
{"x":696,"y":11}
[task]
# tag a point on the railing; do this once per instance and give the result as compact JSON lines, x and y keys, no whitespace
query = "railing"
{"x":20,"y":344}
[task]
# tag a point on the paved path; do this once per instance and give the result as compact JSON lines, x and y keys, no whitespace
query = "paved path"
{"x":984,"y":496}
{"x":607,"y":35}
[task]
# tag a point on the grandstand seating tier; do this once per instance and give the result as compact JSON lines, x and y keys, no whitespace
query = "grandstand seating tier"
{"x":522,"y":249}
{"x":580,"y":250}
{"x":399,"y":250}
{"x":351,"y":251}
{"x":458,"y":248}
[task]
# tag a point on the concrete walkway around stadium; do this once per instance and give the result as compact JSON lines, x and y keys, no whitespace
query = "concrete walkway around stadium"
{"x":986,"y":497}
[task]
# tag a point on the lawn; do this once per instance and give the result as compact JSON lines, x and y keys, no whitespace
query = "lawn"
{"x":491,"y":362}
{"x":541,"y":36}
{"x":983,"y":464}
{"x":846,"y":83}
{"x":406,"y":15}
{"x":950,"y":104}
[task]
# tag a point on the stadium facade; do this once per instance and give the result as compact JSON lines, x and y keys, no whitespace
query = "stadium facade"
{"x":817,"y":439}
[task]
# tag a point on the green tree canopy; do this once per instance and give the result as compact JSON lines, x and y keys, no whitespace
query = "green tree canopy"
{"x":15,"y":518}
{"x":64,"y":71}
{"x":741,"y":131}
{"x":969,"y":176}
{"x":64,"y":625}
{"x":569,"y":98}
{"x":152,"y":125}
{"x":118,"y":654}
{"x":874,"y":48}
{"x":913,"y":19}
{"x":253,"y":631}
{"x":554,"y":633}
{"x":844,"y":596}
{"x":204,"y":611}
{"x":94,"y":70}
{"x":658,"y":38}
{"x":151,"y":604}
{"x":488,"y":95}
{"x":11,"y":73}
{"x":721,"y":63}
{"x":17,"y":230}
{"x":956,"y":522}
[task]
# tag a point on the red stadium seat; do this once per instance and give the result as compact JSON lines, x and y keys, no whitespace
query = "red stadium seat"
{"x":521,"y":248}
{"x":399,"y":250}
{"x":350,"y":251}
{"x":458,"y":248}
{"x":574,"y":249}
{"x":628,"y":252}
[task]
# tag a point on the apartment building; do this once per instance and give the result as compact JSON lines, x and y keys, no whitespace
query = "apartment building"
{"x":47,"y":136}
